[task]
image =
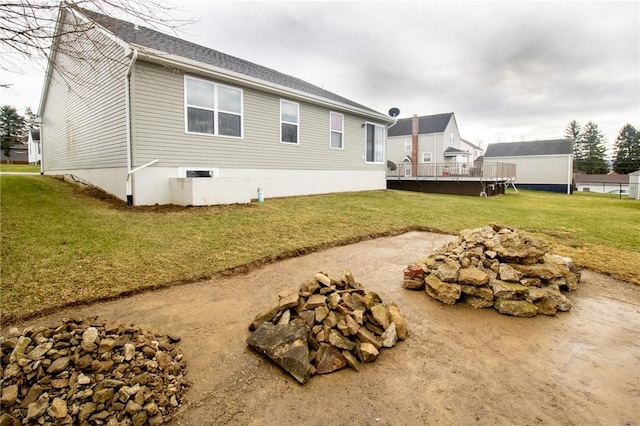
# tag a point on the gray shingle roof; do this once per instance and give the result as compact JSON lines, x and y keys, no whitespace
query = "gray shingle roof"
{"x":146,"y":37}
{"x":517,"y":149}
{"x":426,"y":124}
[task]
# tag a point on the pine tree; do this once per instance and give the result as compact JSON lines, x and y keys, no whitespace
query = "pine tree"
{"x":627,"y":150}
{"x":11,"y":128}
{"x":590,"y":151}
{"x":573,"y":131}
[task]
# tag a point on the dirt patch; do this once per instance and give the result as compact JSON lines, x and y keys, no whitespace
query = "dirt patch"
{"x":459,"y":366}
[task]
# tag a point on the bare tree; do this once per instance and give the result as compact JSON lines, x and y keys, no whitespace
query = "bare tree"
{"x":30,"y":28}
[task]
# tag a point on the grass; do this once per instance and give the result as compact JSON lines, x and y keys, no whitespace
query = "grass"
{"x":61,"y":246}
{"x":20,"y":168}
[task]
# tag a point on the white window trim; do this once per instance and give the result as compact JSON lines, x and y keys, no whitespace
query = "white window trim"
{"x":341,"y":131}
{"x":289,"y":122}
{"x":430,"y":157}
{"x":409,"y":144}
{"x":215,"y":109}
{"x":451,"y":138}
{"x":384,"y":139}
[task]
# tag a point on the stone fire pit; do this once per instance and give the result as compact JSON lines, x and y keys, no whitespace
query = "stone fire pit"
{"x":326,"y":325}
{"x":496,"y":266}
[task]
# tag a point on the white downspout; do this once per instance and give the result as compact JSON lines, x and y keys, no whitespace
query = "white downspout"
{"x":127,"y":84}
{"x":569,"y":174}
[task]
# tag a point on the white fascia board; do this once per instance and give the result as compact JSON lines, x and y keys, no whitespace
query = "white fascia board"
{"x":152,"y":55}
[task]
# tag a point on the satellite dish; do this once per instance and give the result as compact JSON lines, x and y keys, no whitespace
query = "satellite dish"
{"x":391,"y":165}
{"x":394,"y":112}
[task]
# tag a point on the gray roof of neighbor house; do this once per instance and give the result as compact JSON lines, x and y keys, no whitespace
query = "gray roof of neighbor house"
{"x":517,"y":149}
{"x":146,"y":37}
{"x":426,"y":124}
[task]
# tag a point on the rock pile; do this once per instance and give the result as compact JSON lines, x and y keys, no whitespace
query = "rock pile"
{"x":326,"y":325}
{"x":500,"y":267}
{"x":89,"y":372}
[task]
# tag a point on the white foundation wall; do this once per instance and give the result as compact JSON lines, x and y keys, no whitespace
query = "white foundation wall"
{"x":152,"y":185}
{"x":111,"y":180}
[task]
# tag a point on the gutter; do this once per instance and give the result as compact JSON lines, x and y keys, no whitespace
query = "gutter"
{"x":127,"y":96}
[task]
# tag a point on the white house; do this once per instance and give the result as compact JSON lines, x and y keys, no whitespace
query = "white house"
{"x":151,"y":118}
{"x":428,"y":139}
{"x":634,"y":185}
{"x":545,"y":165}
{"x":33,"y":146}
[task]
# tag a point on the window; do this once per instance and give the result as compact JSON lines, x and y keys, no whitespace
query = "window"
{"x":212,"y":108}
{"x":337,"y":126}
{"x":374,"y":143}
{"x":407,"y":145}
{"x":426,"y":157}
{"x":451,"y":138}
{"x":289,"y":112}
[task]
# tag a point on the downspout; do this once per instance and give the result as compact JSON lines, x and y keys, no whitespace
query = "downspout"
{"x":127,"y":94}
{"x":569,"y":177}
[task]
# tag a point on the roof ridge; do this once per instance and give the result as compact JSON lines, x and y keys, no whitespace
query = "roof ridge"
{"x":140,"y":35}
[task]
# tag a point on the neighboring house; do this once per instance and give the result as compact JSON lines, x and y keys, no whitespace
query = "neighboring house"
{"x":545,"y":165}
{"x":476,"y":151}
{"x":611,"y":182}
{"x":153,"y":119}
{"x":18,"y":154}
{"x":427,"y":139}
{"x":33,"y":146}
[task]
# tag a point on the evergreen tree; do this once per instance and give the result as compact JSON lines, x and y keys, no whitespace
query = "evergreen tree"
{"x":627,"y":150}
{"x":573,"y":131}
{"x":590,"y":151}
{"x":29,"y":117}
{"x":11,"y":128}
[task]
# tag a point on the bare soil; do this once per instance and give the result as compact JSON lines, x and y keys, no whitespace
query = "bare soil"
{"x":459,"y":366}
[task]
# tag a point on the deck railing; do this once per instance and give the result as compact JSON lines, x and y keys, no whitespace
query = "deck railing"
{"x":481,"y":171}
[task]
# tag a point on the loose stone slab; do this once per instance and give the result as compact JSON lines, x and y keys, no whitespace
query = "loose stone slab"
{"x":286,"y":345}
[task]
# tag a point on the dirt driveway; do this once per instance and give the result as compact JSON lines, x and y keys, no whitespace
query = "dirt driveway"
{"x":460,"y":365}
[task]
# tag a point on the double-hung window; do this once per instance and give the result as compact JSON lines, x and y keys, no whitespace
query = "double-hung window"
{"x":336,"y":130}
{"x":374,"y":143}
{"x":407,"y":145}
{"x":212,"y":108}
{"x":426,"y":157}
{"x":289,"y":119}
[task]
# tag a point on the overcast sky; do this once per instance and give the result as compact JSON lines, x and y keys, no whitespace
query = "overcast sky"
{"x":510,"y":71}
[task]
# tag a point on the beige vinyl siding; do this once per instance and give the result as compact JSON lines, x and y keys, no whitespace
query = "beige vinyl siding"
{"x":159,"y":122}
{"x":84,"y":112}
{"x":395,"y":148}
{"x":538,"y":169}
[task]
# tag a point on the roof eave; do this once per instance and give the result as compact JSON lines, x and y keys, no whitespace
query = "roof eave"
{"x":156,"y":56}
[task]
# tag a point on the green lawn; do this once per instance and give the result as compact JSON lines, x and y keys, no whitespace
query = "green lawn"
{"x":19,"y":168}
{"x":61,"y":246}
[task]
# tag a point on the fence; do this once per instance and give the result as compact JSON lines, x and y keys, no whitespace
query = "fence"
{"x":481,"y":171}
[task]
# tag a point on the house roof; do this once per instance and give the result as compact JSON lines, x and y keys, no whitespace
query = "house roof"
{"x":35,"y":134}
{"x":426,"y":124}
{"x":451,"y":151}
{"x":471,"y":144}
{"x":518,"y":149}
{"x":139,"y":36}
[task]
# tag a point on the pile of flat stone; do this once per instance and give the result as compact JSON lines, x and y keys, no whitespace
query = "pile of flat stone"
{"x":88,"y":371}
{"x":326,"y":325}
{"x":500,"y":267}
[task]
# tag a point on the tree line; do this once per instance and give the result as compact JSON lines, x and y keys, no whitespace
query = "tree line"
{"x":14,"y":128}
{"x":589,"y":149}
